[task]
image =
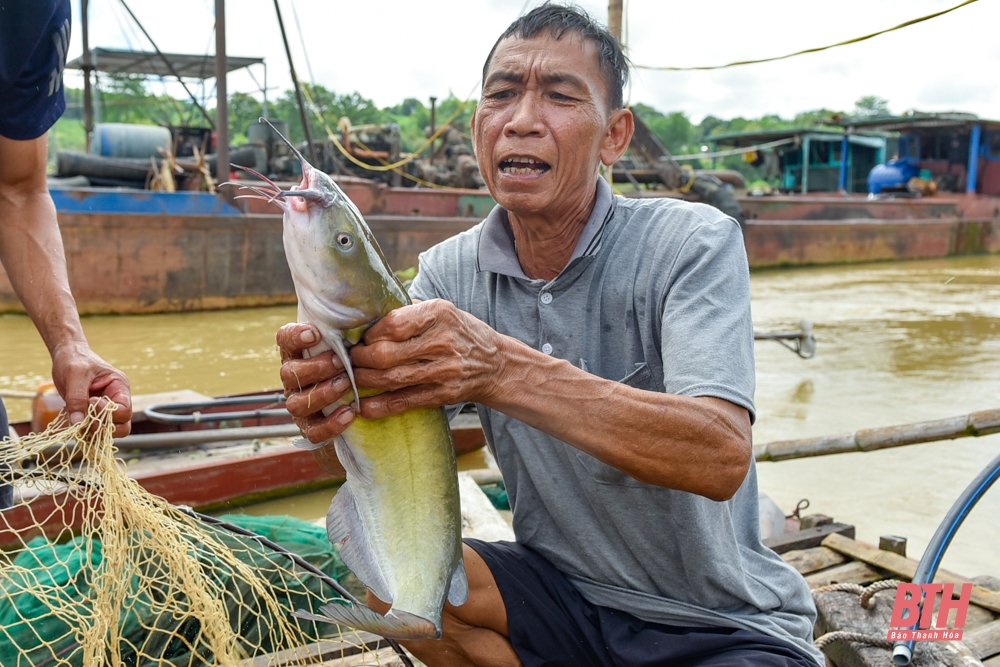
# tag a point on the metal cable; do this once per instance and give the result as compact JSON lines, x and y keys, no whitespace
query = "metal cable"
{"x":812,"y":50}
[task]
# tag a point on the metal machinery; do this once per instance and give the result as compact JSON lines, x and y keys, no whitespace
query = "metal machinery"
{"x":652,"y":163}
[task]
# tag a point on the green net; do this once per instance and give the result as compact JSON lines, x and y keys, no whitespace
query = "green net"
{"x":96,"y":571}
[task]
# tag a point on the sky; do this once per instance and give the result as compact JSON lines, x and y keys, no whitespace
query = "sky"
{"x":389,"y":50}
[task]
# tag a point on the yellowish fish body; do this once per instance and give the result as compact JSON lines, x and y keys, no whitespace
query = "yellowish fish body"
{"x":397,"y":517}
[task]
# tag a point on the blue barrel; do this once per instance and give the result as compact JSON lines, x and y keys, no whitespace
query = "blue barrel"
{"x":894,"y":175}
{"x":127,"y":140}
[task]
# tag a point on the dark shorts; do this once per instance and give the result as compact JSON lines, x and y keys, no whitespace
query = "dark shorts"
{"x":551,"y":624}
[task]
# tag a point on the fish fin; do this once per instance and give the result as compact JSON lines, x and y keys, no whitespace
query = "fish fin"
{"x":394,"y":625}
{"x":350,"y":463}
{"x":338,"y":348}
{"x":458,"y":589}
{"x":307,"y":444}
{"x":344,"y":525}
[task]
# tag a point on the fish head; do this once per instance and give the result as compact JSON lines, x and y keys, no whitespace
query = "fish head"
{"x":340,"y":274}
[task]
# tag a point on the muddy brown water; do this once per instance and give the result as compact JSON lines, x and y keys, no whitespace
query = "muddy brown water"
{"x":898,"y":342}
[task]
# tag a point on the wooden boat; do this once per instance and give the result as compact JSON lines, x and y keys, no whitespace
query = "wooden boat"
{"x":208,"y":467}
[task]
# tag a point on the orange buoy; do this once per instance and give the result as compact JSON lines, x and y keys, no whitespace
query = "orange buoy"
{"x":46,"y":406}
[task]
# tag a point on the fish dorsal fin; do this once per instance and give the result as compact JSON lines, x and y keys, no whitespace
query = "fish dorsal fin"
{"x":458,"y":589}
{"x":344,"y":525}
{"x":347,"y":459}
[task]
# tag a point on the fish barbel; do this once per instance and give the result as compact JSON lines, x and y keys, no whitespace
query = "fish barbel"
{"x":397,"y":517}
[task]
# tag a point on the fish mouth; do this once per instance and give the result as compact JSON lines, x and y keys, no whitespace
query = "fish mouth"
{"x":524,"y":165}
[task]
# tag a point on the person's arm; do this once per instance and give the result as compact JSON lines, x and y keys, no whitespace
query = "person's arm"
{"x":31,"y":251}
{"x":432,"y":354}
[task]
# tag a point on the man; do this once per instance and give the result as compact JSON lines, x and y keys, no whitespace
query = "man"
{"x":33,"y":41}
{"x":609,"y":345}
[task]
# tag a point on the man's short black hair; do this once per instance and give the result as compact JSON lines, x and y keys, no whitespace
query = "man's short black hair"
{"x":560,"y":19}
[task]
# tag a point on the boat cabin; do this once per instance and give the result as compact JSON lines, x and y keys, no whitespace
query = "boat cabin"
{"x":808,"y":160}
{"x":960,"y":152}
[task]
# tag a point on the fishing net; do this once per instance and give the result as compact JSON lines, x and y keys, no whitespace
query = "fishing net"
{"x":96,"y":571}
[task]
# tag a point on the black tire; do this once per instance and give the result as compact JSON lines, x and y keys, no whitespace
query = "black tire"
{"x":714,"y":192}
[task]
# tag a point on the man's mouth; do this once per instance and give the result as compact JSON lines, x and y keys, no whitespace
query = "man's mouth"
{"x":523,"y":165}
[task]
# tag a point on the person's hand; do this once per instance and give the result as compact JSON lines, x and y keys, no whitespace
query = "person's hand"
{"x":83,"y":378}
{"x":429,"y":354}
{"x":313,"y":384}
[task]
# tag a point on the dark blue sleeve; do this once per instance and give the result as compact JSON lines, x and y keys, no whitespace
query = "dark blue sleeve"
{"x":34,"y":38}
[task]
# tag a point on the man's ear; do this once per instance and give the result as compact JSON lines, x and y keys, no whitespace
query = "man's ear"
{"x":472,"y":128}
{"x":619,"y":134}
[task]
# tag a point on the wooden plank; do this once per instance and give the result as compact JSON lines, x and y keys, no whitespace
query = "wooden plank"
{"x":805,"y":539}
{"x":807,"y":561}
{"x":907,"y":567}
{"x":984,"y":641}
{"x":848,"y":573}
{"x":334,"y":648}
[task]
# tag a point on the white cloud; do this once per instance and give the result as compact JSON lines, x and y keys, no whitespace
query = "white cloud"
{"x":389,"y":50}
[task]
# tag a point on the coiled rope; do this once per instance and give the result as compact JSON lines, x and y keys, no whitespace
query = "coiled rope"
{"x":866,"y":595}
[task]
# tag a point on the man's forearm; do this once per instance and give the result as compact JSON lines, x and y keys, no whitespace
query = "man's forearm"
{"x":700,"y":445}
{"x":31,"y":250}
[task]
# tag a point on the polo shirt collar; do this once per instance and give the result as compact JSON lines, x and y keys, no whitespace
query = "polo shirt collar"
{"x":496,"y":241}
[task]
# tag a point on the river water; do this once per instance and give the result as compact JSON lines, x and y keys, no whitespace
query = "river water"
{"x":897,"y":342}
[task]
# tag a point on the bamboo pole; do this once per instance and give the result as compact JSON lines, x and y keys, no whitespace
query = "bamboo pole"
{"x":973,"y":425}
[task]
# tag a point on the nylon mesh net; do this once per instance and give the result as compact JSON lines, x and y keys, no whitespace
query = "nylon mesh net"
{"x":95,"y":571}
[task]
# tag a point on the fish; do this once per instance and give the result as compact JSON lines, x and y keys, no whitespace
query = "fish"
{"x":397,"y":518}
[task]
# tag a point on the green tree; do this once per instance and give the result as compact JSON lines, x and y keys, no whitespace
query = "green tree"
{"x":871,"y":106}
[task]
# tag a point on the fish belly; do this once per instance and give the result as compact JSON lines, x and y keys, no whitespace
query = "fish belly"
{"x":402,"y":475}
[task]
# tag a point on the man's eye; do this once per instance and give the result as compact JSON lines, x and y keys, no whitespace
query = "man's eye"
{"x":501,"y":94}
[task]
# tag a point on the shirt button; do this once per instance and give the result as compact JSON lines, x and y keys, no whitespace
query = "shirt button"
{"x":547,"y":349}
{"x":546,"y":298}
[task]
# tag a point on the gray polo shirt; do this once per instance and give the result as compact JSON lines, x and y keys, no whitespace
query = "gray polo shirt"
{"x":656,"y":296}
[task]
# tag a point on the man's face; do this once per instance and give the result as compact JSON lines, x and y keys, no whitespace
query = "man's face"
{"x":543,"y":123}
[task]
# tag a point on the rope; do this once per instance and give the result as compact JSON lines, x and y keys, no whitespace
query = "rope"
{"x":735,"y":151}
{"x":847,"y":636}
{"x":813,"y":50}
{"x":385,"y":167}
{"x":867,"y":595}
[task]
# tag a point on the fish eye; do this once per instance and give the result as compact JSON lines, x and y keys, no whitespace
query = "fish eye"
{"x":344,"y":241}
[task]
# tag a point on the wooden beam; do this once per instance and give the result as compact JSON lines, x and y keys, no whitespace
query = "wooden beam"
{"x":906,"y":567}
{"x":984,"y":641}
{"x":853,"y":572}
{"x":321,"y":651}
{"x":807,"y":561}
{"x":805,"y":539}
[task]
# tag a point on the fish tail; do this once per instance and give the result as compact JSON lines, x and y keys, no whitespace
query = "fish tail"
{"x":394,"y":625}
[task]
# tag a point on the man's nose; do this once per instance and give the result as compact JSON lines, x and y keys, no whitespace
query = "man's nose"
{"x":525,"y":118}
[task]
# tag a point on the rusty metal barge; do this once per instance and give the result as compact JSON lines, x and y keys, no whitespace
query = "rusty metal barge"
{"x":143,"y":252}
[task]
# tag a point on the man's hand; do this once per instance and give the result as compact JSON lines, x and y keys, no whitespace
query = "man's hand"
{"x":83,"y":378}
{"x":429,"y":354}
{"x":313,"y":384}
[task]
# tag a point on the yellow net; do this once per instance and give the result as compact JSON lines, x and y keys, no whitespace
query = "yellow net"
{"x":95,"y":571}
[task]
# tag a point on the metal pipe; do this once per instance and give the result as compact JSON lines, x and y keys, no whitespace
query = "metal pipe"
{"x":295,"y":84}
{"x":170,"y":67}
{"x":221,"y":99}
{"x":973,"y":173}
{"x":433,"y":111}
{"x":191,"y":438}
{"x":88,"y":101}
{"x":194,"y":413}
{"x":845,"y":150}
{"x":902,"y":651}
